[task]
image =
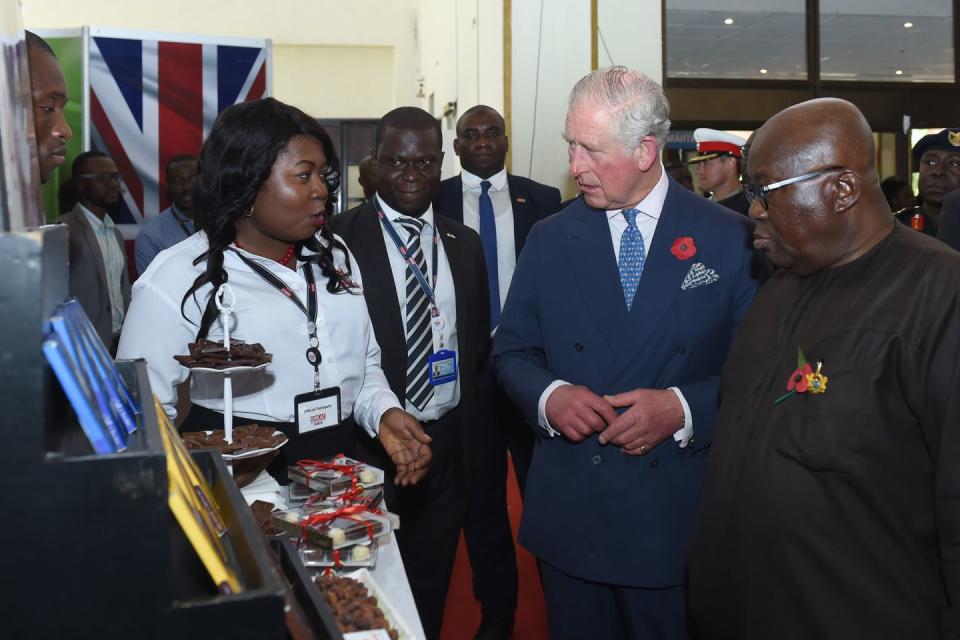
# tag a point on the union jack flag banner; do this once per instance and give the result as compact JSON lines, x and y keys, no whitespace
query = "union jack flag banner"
{"x":154,"y":98}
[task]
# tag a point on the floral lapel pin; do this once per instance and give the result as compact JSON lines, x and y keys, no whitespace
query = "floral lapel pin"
{"x":805,"y":379}
{"x":683,"y":248}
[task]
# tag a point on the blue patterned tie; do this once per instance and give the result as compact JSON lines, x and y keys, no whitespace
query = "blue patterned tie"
{"x":488,"y":236}
{"x":419,"y":334}
{"x":632,"y":257}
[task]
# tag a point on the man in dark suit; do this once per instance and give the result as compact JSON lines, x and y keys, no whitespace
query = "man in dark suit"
{"x":618,"y":321}
{"x":421,"y":319}
{"x":502,"y":208}
{"x":98,"y":263}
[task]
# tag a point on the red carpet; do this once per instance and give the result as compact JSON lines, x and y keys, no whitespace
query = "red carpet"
{"x":462,"y":613}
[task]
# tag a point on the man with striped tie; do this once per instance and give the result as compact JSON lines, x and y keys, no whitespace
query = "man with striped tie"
{"x":619,"y":318}
{"x":425,"y":284}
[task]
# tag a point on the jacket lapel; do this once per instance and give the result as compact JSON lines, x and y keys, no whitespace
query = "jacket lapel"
{"x":458,"y":267}
{"x":589,"y":242}
{"x":93,"y":245}
{"x":663,"y":273}
{"x":450,"y":200}
{"x":371,"y":251}
{"x":524,"y":215}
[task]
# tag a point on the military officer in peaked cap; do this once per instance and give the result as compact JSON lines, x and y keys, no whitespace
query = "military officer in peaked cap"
{"x":718,"y":167}
{"x":937,"y":158}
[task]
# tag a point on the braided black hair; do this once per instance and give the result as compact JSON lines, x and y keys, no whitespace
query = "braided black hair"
{"x":235,"y":162}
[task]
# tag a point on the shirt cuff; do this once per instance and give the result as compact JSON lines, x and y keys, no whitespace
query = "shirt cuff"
{"x":684,"y":435}
{"x":381,"y":407}
{"x":542,"y":407}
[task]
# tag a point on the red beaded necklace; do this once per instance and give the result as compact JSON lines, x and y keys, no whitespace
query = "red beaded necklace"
{"x":284,"y":260}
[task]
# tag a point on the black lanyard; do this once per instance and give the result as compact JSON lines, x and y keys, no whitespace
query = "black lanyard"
{"x":310,"y":310}
{"x":427,"y":289}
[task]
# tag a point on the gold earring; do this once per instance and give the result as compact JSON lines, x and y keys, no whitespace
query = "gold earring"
{"x":248,"y":213}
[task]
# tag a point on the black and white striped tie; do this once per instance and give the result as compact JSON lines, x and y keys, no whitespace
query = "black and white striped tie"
{"x":419,"y":334}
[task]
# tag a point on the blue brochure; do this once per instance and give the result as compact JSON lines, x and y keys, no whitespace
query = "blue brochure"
{"x":75,"y":313}
{"x":80,"y":396}
{"x":85,"y":369}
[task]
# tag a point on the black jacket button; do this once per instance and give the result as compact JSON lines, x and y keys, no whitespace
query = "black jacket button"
{"x":578,"y":346}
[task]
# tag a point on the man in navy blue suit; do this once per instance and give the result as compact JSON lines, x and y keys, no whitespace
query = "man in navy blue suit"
{"x":618,"y":321}
{"x":502,"y":208}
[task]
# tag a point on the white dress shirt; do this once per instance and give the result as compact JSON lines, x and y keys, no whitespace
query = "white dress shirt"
{"x":650,"y":209}
{"x":156,"y":330}
{"x":445,"y":396}
{"x":499,"y":193}
{"x":114,"y":259}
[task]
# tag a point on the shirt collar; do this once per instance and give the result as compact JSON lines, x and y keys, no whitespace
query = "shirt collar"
{"x":393,"y":215}
{"x":179,"y":215}
{"x":498,"y":181}
{"x":94,"y":221}
{"x":652,"y":205}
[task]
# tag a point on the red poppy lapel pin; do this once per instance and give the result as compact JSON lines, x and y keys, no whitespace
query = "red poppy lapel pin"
{"x":683,"y":248}
{"x":805,"y":379}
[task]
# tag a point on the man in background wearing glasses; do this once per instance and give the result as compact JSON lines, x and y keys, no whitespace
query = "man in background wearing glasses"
{"x":98,"y":265}
{"x":830,"y":503}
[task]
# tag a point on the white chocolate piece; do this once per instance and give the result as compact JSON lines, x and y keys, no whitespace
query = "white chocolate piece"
{"x":360,"y":553}
{"x":337,"y":536}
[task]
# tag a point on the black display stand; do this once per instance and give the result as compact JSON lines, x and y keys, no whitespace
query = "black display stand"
{"x":90,"y":546}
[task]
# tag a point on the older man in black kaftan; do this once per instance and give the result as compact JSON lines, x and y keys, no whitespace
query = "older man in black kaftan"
{"x":831,"y":506}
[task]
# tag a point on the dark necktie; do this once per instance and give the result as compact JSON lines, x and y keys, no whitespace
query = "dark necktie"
{"x":488,"y":236}
{"x":419,"y":335}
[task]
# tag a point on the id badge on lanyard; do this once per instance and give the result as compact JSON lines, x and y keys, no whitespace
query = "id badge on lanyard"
{"x":320,"y":408}
{"x":442,"y":365}
{"x":317,"y":409}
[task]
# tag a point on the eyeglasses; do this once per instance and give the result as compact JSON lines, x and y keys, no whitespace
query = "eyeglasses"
{"x":102,"y":178}
{"x":754,"y":192}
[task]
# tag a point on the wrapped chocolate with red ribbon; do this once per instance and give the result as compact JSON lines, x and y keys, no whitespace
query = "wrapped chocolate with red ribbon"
{"x":329,"y":527}
{"x":361,"y":555}
{"x":336,"y":475}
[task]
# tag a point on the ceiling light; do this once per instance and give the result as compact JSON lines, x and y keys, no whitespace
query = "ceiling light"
{"x":763,"y":71}
{"x":728,"y":21}
{"x":899,"y":72}
{"x":907,"y":25}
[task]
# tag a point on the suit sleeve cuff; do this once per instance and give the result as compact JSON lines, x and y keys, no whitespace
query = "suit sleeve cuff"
{"x":684,"y":435}
{"x":542,"y":407}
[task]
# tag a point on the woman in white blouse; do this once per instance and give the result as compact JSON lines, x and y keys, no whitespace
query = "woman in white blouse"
{"x":263,"y":193}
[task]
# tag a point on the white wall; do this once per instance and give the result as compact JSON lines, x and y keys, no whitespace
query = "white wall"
{"x":461,"y":61}
{"x":631,"y":31}
{"x":539,"y":91}
{"x":632,"y":35}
